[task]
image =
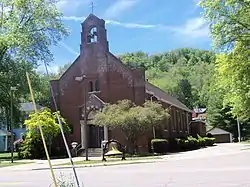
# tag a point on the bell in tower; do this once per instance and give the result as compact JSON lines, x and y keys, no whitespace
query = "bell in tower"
{"x":94,"y":34}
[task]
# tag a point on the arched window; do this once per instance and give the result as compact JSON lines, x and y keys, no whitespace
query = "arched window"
{"x":97,"y":85}
{"x":90,"y":86}
{"x":92,"y":35}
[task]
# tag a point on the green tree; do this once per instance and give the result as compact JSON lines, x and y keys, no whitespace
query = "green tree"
{"x":13,"y":74}
{"x":229,"y":22}
{"x":232,"y":76}
{"x":63,"y":69}
{"x":220,"y":114}
{"x":174,"y":70}
{"x":32,"y":146}
{"x":132,"y":120}
{"x":29,"y":28}
{"x":230,"y":29}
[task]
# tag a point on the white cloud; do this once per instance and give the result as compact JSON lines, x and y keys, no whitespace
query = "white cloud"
{"x":130,"y":25}
{"x":74,"y":18}
{"x":69,"y":49}
{"x":193,"y":28}
{"x":71,"y":6}
{"x":119,"y":7}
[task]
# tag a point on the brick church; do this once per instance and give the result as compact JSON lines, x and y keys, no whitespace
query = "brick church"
{"x":97,"y":77}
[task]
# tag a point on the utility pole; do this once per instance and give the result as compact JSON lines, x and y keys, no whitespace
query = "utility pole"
{"x":86,"y":123}
{"x":12,"y":89}
{"x":238,"y":127}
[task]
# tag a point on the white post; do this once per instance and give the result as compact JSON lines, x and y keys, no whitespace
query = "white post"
{"x":106,"y":133}
{"x":238,"y":126}
{"x":151,"y":99}
{"x":187,"y":127}
{"x":231,"y":138}
{"x":6,"y":143}
{"x":82,"y":126}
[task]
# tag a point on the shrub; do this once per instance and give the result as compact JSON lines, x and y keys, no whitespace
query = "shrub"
{"x":182,"y":144}
{"x":32,"y":148}
{"x":159,"y":145}
{"x":202,"y":141}
{"x":209,"y":141}
{"x":193,"y":143}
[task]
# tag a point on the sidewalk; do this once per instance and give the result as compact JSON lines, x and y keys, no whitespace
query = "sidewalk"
{"x":44,"y":164}
{"x":218,"y":150}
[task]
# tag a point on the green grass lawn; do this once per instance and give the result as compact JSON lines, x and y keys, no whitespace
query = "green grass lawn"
{"x":7,"y":156}
{"x":83,"y":162}
{"x":7,"y":164}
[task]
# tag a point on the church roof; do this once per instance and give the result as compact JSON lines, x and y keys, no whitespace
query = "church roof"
{"x":164,"y":97}
{"x":92,"y":17}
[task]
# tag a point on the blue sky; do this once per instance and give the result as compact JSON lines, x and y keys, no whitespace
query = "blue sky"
{"x":146,"y":25}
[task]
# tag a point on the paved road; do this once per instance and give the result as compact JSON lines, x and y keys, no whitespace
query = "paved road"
{"x":230,"y":170}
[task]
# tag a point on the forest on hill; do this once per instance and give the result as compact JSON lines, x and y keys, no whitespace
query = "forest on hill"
{"x":190,"y":76}
{"x":184,"y":73}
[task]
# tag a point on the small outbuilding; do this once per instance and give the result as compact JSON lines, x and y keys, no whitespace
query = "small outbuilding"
{"x":220,"y":135}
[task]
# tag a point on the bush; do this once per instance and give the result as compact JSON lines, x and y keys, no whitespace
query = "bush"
{"x":209,"y":141}
{"x":202,"y":141}
{"x":32,"y":148}
{"x":159,"y":145}
{"x":182,"y":144}
{"x":191,"y":143}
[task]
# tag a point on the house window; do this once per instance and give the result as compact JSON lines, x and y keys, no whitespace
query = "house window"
{"x":97,"y":85}
{"x":90,"y":86}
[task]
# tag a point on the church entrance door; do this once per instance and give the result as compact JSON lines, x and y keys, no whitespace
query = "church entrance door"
{"x":96,"y":136}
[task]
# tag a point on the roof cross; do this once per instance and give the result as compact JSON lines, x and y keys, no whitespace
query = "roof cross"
{"x":92,"y":7}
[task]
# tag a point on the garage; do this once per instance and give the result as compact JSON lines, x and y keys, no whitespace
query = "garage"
{"x":220,"y":135}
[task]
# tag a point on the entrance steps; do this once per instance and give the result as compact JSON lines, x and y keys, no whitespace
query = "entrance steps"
{"x":92,"y":152}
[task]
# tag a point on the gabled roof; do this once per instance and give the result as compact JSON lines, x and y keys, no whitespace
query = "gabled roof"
{"x":71,"y":65}
{"x":216,"y":131}
{"x":29,"y":107}
{"x":92,"y":17}
{"x":4,"y":132}
{"x":164,"y":97}
{"x":93,"y":103}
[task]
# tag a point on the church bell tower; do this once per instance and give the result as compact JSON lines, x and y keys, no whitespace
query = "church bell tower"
{"x":93,"y":35}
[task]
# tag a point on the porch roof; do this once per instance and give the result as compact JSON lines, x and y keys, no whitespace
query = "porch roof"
{"x":4,"y":133}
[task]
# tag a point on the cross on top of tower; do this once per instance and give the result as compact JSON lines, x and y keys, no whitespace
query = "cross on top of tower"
{"x":92,"y":7}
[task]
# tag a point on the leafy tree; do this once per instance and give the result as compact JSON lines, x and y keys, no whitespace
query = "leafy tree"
{"x":229,"y":21}
{"x":29,"y":28}
{"x":132,"y":120}
{"x":233,"y":77}
{"x":185,"y":65}
{"x":63,"y":69}
{"x":13,"y":74}
{"x":32,"y":145}
{"x":230,"y":29}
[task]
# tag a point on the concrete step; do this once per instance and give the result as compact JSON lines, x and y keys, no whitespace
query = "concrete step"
{"x":92,"y":152}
